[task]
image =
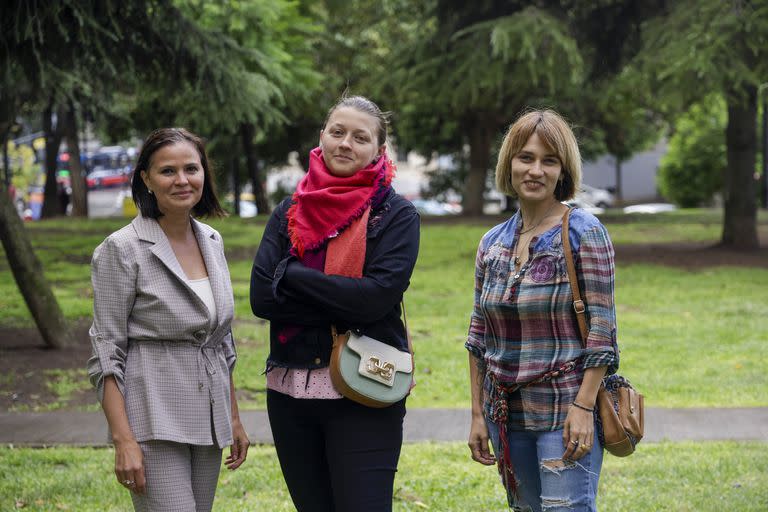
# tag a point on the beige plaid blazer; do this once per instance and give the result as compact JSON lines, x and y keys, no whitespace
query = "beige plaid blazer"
{"x":152,"y":332}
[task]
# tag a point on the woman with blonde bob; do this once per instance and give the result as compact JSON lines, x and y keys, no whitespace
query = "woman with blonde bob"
{"x":533,"y":386}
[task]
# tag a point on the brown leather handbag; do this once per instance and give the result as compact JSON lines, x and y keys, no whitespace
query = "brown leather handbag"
{"x":619,"y":406}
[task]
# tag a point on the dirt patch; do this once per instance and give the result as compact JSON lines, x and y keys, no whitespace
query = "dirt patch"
{"x":26,"y":364}
{"x":690,"y":256}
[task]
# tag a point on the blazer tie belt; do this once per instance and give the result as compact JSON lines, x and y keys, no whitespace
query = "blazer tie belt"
{"x":207,"y":355}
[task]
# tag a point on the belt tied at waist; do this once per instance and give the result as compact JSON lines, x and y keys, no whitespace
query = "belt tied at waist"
{"x":206,"y":357}
{"x":500,"y":414}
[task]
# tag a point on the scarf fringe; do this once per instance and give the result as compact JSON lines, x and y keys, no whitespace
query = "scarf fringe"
{"x":298,"y":246}
{"x":298,"y":243}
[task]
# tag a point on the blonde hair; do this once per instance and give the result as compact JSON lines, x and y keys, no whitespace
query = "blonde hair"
{"x":556,"y":134}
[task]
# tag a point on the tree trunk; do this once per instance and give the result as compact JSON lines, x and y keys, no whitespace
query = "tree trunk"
{"x":7,"y":161}
{"x":7,"y":120}
{"x":764,"y":179}
{"x":52,"y":131}
{"x":28,"y":273}
{"x":480,"y":132}
{"x":619,"y":193}
{"x":234,"y":171}
{"x":76,"y":175}
{"x":247,"y":132}
{"x":740,"y":222}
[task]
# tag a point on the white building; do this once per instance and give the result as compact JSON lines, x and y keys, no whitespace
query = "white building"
{"x":638,"y":174}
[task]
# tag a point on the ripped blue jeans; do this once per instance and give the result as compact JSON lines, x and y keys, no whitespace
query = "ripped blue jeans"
{"x":546,"y":483}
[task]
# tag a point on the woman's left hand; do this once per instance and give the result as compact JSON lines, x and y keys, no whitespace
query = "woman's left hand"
{"x":578,"y":433}
{"x":239,"y":449}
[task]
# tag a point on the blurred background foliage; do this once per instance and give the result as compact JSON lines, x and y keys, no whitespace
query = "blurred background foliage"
{"x":256,"y":78}
{"x":692,"y":171}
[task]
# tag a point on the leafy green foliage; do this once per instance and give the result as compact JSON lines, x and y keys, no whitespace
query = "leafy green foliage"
{"x":206,"y":65}
{"x":694,"y":166}
{"x":72,"y":49}
{"x":621,"y":110}
{"x":696,"y":48}
{"x":274,"y":61}
{"x":352,"y":50}
{"x":473,"y":70}
{"x":495,"y":64}
{"x":22,"y":161}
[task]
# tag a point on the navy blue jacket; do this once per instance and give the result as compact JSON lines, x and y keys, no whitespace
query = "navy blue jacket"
{"x":284,"y":291}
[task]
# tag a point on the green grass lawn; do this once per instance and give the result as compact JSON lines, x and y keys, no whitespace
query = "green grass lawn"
{"x":673,"y":477}
{"x":688,"y":338}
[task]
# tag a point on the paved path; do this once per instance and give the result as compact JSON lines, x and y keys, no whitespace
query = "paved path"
{"x":90,"y":429}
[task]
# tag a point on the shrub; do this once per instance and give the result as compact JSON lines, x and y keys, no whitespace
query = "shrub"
{"x":692,"y":170}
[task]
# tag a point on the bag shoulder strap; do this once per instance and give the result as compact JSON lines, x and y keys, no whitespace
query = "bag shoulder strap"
{"x":405,"y":324}
{"x":340,"y":262}
{"x":578,"y":304}
{"x":335,"y":333}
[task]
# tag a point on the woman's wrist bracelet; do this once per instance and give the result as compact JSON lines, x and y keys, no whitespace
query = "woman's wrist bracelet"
{"x":579,"y":406}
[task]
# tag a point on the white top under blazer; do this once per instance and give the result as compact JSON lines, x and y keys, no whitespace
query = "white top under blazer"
{"x":202,"y":287}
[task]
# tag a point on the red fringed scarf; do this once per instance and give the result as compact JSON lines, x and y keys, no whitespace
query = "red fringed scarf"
{"x":324,"y":204}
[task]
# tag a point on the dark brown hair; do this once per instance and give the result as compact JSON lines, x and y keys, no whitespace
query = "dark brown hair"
{"x":363,"y":104}
{"x":208,"y":206}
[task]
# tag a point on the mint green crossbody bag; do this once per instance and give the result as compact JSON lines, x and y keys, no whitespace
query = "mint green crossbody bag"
{"x":371,"y":372}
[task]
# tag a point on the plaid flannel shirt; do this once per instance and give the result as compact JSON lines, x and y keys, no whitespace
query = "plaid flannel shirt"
{"x":523,"y":324}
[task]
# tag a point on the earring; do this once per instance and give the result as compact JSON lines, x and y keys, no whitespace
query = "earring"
{"x":150,"y":191}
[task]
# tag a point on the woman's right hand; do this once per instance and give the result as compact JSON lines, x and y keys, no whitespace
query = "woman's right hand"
{"x":129,"y":466}
{"x":478,"y":442}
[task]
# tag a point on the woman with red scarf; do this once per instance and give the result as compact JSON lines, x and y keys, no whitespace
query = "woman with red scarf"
{"x":335,"y":454}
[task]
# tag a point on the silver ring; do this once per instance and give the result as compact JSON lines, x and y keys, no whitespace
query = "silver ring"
{"x":128,"y":482}
{"x":575,"y":442}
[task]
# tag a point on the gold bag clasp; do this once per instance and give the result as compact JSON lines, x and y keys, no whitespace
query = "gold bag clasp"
{"x":377,"y":367}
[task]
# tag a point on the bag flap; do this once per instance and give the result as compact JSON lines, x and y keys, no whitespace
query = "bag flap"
{"x":368,"y":348}
{"x":613,"y":430}
{"x":630,"y":411}
{"x":379,"y":361}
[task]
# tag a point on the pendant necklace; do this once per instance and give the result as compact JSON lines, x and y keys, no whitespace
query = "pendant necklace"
{"x":524,"y":231}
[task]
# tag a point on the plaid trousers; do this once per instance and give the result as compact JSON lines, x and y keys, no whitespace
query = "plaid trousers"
{"x":180,"y":477}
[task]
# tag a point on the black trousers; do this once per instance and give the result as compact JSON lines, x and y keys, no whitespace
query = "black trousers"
{"x":336,"y":455}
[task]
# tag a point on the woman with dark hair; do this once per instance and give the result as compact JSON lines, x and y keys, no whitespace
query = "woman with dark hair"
{"x":533,"y":386}
{"x":339,"y":252}
{"x":163,"y":352}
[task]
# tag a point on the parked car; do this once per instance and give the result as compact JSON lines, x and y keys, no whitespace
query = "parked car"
{"x":599,"y":197}
{"x":596,"y":196}
{"x":108,"y":157}
{"x":247,"y":204}
{"x":581,"y":202}
{"x":434,"y":207}
{"x":102,"y":177}
{"x":248,"y":209}
{"x":650,"y":208}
